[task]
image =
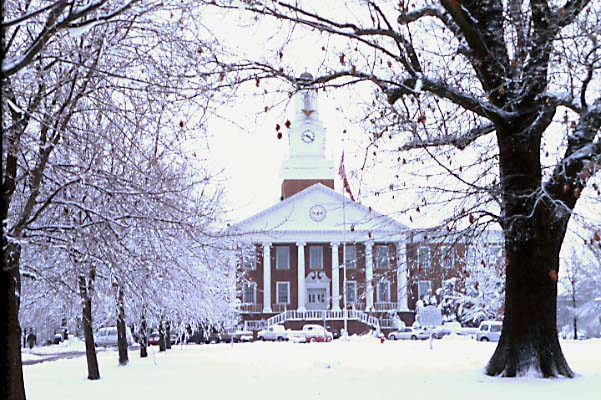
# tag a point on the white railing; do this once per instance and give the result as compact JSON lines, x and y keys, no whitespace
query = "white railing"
{"x":386,"y":306}
{"x":249,"y":308}
{"x":320,"y":315}
{"x":278,"y":308}
{"x":390,"y":323}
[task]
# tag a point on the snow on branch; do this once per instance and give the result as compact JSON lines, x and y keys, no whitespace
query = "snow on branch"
{"x":460,"y":141}
{"x":442,"y":89}
{"x":580,"y":158}
{"x":53,"y":25}
{"x":434,"y":11}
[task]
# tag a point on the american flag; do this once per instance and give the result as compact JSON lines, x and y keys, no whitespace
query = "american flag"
{"x":342,"y":173}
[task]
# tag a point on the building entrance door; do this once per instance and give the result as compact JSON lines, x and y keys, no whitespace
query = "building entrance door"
{"x":316,"y":299}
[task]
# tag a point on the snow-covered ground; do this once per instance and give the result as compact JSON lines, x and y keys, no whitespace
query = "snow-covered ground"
{"x":361,"y":368}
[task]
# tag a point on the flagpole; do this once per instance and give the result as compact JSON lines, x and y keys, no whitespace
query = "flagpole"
{"x":344,"y":313}
{"x":342,"y":174}
{"x":345,"y":187}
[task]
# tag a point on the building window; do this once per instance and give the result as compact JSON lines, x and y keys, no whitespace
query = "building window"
{"x":382,"y":256}
{"x":282,"y":260}
{"x":423,"y":256}
{"x":249,"y":258}
{"x":351,"y":256}
{"x":249,"y":293}
{"x":282,"y":292}
{"x":447,"y":257}
{"x":351,"y":292}
{"x":316,"y":257}
{"x":423,"y":288}
{"x":383,"y":291}
{"x":495,"y":252}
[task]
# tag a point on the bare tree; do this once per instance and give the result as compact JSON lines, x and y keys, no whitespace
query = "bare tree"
{"x":80,"y":92}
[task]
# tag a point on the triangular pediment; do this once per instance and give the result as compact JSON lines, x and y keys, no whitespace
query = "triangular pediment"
{"x":320,"y":209}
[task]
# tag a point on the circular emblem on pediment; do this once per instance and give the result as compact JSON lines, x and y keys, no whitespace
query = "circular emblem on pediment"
{"x":317,"y":213}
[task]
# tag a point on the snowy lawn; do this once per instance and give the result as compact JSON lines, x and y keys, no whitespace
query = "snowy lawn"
{"x":361,"y":368}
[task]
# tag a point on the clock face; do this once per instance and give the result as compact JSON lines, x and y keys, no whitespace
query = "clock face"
{"x":308,"y":136}
{"x":317,"y":213}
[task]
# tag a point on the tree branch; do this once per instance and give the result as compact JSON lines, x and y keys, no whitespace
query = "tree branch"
{"x":580,"y":159}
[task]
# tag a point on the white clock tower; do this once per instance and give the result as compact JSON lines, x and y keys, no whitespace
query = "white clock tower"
{"x":307,"y":164}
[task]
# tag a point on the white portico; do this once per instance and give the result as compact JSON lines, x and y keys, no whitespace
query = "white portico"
{"x":295,"y":251}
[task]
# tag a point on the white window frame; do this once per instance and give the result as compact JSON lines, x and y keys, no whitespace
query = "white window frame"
{"x":249,"y":259}
{"x":353,"y":291}
{"x":420,"y":295}
{"x":428,"y":257}
{"x":278,"y":250}
{"x":378,"y":257}
{"x":246,"y":286}
{"x":379,"y":298}
{"x":447,"y":257}
{"x":494,"y":253}
{"x":318,"y":249}
{"x":351,"y":263}
{"x":278,"y":284}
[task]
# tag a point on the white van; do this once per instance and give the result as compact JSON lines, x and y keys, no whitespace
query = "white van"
{"x":489,"y":331}
{"x":108,"y":337}
{"x":274,"y":332}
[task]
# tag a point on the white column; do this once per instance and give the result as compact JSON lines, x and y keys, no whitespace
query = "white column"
{"x":301,"y":276}
{"x":266,"y":277}
{"x":335,"y":278}
{"x":369,"y":274}
{"x":401,"y":276}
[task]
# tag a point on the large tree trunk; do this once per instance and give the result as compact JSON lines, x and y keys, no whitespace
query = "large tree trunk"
{"x":12,"y":377}
{"x":534,"y":228}
{"x":143,"y":338}
{"x":121,"y":328}
{"x":86,"y":300}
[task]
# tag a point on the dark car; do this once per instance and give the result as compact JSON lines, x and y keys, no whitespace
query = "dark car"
{"x":229,"y":336}
{"x":197,"y":337}
{"x":153,"y":339}
{"x":56,"y":339}
{"x":335,"y":332}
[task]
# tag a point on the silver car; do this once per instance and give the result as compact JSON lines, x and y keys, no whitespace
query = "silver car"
{"x":409,"y":334}
{"x":489,"y":331}
{"x":108,"y":337}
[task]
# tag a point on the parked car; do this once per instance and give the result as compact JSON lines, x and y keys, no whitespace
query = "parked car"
{"x":153,"y":339}
{"x":317,"y":333}
{"x":489,"y":331}
{"x":335,"y":332}
{"x":409,"y":333}
{"x":197,"y":337}
{"x":297,"y":336}
{"x":446,"y":329}
{"x":237,"y":336}
{"x":56,"y":339}
{"x":275,"y":332}
{"x":108,"y":337}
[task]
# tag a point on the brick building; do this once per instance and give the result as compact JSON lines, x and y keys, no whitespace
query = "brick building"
{"x":318,"y":256}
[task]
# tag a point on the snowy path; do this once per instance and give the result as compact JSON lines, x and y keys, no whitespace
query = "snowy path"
{"x":361,"y":369}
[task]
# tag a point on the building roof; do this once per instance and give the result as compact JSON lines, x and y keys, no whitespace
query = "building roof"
{"x":319,"y":214}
